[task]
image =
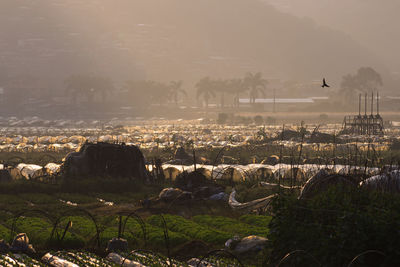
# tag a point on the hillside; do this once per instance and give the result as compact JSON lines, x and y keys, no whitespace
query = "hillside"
{"x":163,"y":40}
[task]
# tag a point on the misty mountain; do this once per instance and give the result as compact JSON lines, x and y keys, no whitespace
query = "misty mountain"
{"x":168,"y":40}
{"x":372,"y":23}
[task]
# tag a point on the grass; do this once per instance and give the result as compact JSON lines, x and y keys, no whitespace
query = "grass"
{"x":256,"y":220}
{"x":191,"y":229}
{"x":231,"y":226}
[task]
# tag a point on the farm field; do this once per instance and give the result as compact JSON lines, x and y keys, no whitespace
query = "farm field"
{"x":73,"y":218}
{"x":228,"y":133}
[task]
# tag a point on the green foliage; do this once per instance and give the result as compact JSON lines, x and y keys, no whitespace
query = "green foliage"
{"x":4,"y":233}
{"x":336,"y":226}
{"x":229,"y":225}
{"x":155,"y":234}
{"x":191,"y":229}
{"x":37,"y":229}
{"x":257,"y":220}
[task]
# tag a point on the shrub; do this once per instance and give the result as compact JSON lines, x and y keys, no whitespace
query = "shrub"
{"x":229,"y":225}
{"x":191,"y":229}
{"x":336,"y":226}
{"x":258,"y":120}
{"x":323,"y":117}
{"x":257,"y":220}
{"x":270,"y":120}
{"x":222,"y":118}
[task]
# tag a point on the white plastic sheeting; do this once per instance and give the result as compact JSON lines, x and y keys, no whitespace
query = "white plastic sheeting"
{"x":251,"y":205}
{"x":28,"y":170}
{"x":388,"y":182}
{"x":57,"y":261}
{"x":240,"y":173}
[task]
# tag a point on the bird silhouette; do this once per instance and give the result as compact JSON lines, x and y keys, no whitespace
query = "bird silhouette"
{"x":324,"y":84}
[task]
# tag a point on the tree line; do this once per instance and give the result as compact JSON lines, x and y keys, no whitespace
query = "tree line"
{"x":147,"y":92}
{"x":144,"y":93}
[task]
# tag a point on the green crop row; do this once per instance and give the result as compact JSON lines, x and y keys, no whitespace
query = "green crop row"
{"x":191,"y":229}
{"x":229,"y":225}
{"x":256,"y":220}
{"x":80,"y":230}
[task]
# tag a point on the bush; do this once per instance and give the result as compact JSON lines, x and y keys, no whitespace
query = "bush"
{"x":191,"y":229}
{"x":270,"y":120}
{"x":229,"y":225}
{"x":258,"y":120}
{"x":336,"y":226}
{"x":323,"y":117}
{"x":222,"y":118}
{"x":395,"y":145}
{"x":257,"y":220}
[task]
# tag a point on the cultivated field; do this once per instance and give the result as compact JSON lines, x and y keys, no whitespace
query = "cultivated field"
{"x":73,"y":218}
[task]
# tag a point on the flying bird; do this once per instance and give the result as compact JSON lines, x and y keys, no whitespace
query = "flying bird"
{"x":324,"y":84}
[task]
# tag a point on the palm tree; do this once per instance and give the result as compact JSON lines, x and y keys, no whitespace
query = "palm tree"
{"x":77,"y":85}
{"x":256,"y":84}
{"x":87,"y":85}
{"x":159,"y":92}
{"x":236,"y":86}
{"x":102,"y":85}
{"x":72,"y":88}
{"x":174,"y":91}
{"x":205,"y":88}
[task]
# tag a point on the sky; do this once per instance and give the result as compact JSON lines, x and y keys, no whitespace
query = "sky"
{"x":186,"y":40}
{"x":373,"y":23}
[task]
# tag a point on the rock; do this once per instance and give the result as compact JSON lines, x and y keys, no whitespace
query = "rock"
{"x":117,"y":244}
{"x":4,"y":246}
{"x":207,"y":191}
{"x":220,"y":196}
{"x":114,"y":257}
{"x":21,"y":244}
{"x":231,"y":243}
{"x":250,"y":244}
{"x":170,"y":194}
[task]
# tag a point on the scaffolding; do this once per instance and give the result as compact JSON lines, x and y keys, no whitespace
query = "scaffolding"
{"x":365,"y":124}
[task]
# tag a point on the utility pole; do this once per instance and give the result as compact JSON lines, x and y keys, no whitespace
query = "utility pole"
{"x":274,"y":108}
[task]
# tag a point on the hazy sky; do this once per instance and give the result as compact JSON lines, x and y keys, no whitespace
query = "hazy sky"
{"x":189,"y":39}
{"x":373,"y":23}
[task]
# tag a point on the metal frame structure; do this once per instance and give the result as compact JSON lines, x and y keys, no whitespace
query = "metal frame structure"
{"x":365,"y":124}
